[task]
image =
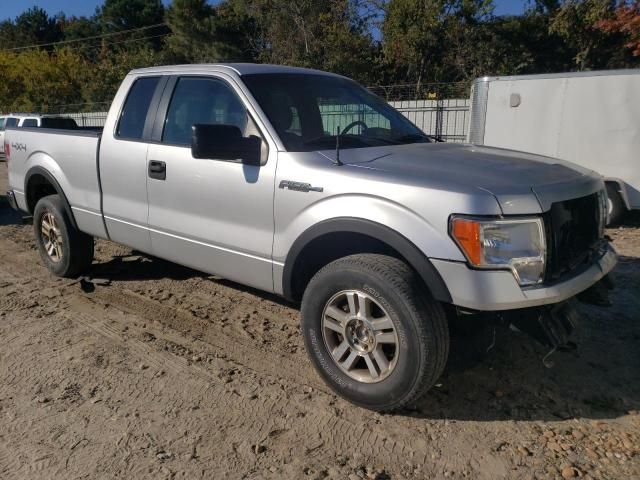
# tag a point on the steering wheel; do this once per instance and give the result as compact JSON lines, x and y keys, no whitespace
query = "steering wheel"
{"x":353,"y":124}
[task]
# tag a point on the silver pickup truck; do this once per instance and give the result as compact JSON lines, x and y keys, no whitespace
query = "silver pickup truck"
{"x":303,"y":183}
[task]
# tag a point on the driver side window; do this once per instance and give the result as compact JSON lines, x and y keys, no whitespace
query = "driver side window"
{"x":201,"y":100}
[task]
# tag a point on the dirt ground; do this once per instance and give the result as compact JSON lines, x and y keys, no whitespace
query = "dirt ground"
{"x":150,"y":370}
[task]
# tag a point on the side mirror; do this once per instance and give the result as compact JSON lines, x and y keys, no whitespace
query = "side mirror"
{"x":224,"y":142}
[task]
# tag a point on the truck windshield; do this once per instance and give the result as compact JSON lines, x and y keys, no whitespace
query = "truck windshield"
{"x":308,"y":111}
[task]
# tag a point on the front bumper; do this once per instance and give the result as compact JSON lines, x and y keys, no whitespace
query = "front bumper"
{"x":492,"y":290}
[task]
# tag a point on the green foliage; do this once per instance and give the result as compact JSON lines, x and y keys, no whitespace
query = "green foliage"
{"x":576,"y":23}
{"x":201,"y":33}
{"x":127,"y":14}
{"x":308,"y":33}
{"x":410,"y":42}
{"x":36,"y":80}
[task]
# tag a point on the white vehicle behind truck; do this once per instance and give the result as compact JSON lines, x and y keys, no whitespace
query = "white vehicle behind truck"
{"x":591,"y":119}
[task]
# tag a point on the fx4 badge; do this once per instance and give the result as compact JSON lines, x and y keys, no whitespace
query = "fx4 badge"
{"x":299,"y":186}
{"x":19,"y":146}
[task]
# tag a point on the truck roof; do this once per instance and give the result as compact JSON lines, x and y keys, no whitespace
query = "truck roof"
{"x":232,"y":68}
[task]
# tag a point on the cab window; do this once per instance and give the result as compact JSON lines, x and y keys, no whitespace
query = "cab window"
{"x":11,"y":122}
{"x":201,"y":100}
{"x":136,"y":107}
{"x":30,"y":122}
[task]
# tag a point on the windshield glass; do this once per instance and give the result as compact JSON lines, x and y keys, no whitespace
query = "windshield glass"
{"x":309,"y":110}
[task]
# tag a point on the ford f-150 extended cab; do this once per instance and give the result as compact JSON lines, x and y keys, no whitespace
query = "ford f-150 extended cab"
{"x":303,"y":183}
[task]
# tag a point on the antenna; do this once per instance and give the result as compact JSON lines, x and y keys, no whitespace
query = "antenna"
{"x":337,"y":160}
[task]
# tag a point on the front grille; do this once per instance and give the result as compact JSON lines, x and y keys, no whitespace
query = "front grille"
{"x":572,"y":228}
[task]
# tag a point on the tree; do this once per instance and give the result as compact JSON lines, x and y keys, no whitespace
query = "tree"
{"x":128,"y":14}
{"x":626,"y":21}
{"x":120,"y":15}
{"x":202,"y":33}
{"x":41,"y":81}
{"x":37,"y":27}
{"x":78,"y":28}
{"x":309,"y":33}
{"x":434,"y":38}
{"x":575,"y":22}
{"x":109,"y":68}
{"x":32,"y":27}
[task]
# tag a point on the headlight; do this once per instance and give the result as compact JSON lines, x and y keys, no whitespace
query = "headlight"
{"x":517,"y":245}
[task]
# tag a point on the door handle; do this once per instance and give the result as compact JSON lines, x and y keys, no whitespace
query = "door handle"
{"x":157,"y":170}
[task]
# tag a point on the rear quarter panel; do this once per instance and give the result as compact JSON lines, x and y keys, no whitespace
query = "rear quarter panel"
{"x":70,"y":158}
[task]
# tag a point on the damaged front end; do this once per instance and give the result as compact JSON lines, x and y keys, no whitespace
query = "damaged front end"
{"x":550,"y":325}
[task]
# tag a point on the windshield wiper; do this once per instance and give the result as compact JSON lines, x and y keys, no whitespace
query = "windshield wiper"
{"x":331,"y":139}
{"x":414,"y":137}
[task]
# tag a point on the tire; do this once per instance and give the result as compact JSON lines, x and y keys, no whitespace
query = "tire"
{"x":66,"y":251}
{"x":615,"y":206}
{"x":418,"y":326}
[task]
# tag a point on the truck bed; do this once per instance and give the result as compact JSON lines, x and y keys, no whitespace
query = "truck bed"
{"x":71,"y":156}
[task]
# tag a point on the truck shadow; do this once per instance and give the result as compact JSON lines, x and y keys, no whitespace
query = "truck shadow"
{"x":600,"y":379}
{"x":8,"y":216}
{"x":138,"y":266}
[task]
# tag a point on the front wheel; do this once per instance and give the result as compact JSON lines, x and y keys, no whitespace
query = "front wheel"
{"x":373,"y":331}
{"x":65,"y":251}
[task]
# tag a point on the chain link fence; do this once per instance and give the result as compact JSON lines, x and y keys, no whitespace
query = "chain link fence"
{"x":438,"y":109}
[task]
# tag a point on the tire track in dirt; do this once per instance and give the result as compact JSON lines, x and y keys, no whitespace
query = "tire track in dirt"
{"x":9,"y":465}
{"x":248,"y":355}
{"x":250,"y":416}
{"x":243,"y":414}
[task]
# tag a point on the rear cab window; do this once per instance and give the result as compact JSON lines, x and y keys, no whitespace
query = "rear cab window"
{"x":136,"y":108}
{"x":11,"y":122}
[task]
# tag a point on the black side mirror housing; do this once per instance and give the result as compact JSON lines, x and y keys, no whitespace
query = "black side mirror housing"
{"x":224,"y":142}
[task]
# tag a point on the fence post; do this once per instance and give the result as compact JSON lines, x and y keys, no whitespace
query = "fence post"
{"x":439,"y":118}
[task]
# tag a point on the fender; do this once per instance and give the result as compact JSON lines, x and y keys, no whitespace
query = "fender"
{"x":395,"y":240}
{"x":621,"y":186}
{"x":37,"y":170}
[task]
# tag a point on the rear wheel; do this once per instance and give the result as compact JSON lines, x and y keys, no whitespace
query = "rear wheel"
{"x":65,"y":251}
{"x":373,"y":331}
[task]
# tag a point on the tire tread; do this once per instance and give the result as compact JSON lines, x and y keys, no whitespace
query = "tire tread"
{"x":432,"y":327}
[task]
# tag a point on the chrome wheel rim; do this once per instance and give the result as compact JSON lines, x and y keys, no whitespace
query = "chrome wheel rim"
{"x":51,"y":237}
{"x":360,"y":336}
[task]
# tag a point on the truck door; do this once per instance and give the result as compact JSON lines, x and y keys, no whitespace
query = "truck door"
{"x":123,"y":162}
{"x":212,"y":215}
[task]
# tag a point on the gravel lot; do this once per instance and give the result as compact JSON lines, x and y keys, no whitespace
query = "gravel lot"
{"x":151,"y":370}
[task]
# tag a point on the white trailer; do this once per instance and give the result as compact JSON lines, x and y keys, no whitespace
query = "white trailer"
{"x":589,"y":118}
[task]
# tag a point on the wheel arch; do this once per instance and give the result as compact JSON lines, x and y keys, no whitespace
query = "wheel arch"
{"x":621,"y":188}
{"x":300,"y":266}
{"x":39,"y":183}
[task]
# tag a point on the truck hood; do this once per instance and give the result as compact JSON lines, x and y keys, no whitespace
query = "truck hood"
{"x":521,"y":182}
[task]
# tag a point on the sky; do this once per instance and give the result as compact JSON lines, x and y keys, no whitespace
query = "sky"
{"x":11,"y":9}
